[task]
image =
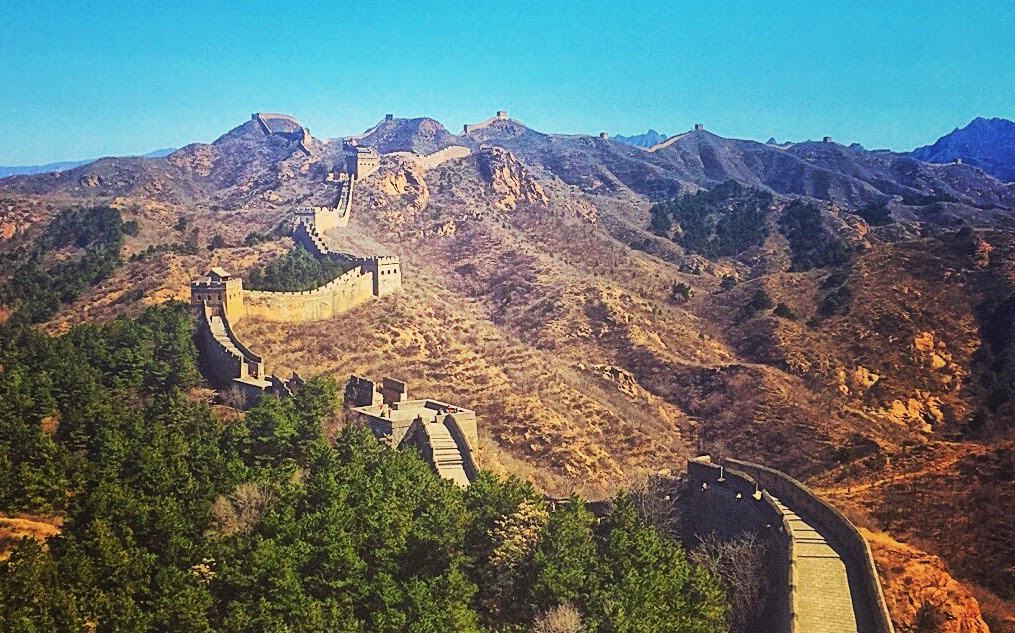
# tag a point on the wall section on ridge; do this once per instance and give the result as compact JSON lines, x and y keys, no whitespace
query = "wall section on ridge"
{"x":344,"y":293}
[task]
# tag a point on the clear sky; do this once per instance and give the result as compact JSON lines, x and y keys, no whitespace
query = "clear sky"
{"x":85,"y":79}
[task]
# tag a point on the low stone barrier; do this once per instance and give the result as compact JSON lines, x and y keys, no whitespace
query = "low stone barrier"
{"x":342,"y":294}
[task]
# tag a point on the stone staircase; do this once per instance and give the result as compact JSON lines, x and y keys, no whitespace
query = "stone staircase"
{"x":309,"y":237}
{"x":221,"y":334}
{"x":344,"y":205}
{"x":447,"y":457}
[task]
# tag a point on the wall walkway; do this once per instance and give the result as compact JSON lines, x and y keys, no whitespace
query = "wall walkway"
{"x":832,"y":583}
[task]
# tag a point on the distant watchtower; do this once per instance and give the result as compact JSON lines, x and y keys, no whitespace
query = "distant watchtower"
{"x":604,"y":135}
{"x":698,"y":127}
{"x":389,"y":117}
{"x":826,"y":139}
{"x":502,"y":115}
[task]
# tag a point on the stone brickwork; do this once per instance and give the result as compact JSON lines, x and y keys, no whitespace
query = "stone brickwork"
{"x":324,"y":219}
{"x":269,"y":122}
{"x":831,"y":583}
{"x":841,"y":535}
{"x":219,"y":298}
{"x":342,"y":294}
{"x":445,"y":435}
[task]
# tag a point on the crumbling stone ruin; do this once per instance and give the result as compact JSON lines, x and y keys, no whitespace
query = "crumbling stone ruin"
{"x":444,"y":434}
{"x":273,"y":123}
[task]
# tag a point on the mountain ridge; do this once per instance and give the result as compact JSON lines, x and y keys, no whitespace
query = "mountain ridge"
{"x":835,"y":328}
{"x":985,"y":143}
{"x":27,"y":170}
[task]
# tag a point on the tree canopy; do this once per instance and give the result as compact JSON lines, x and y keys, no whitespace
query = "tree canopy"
{"x":295,"y":271}
{"x":175,"y":520}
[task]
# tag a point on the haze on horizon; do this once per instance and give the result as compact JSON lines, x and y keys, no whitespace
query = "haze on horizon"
{"x":97,"y":79}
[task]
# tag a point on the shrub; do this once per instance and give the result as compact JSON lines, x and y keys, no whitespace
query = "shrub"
{"x":564,"y":618}
{"x":810,"y":244}
{"x":783,"y":311}
{"x":681,"y":292}
{"x":721,"y":222}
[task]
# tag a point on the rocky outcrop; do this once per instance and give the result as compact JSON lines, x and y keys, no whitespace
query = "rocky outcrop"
{"x":511,"y":182}
{"x":917,"y":586}
{"x":405,"y":180}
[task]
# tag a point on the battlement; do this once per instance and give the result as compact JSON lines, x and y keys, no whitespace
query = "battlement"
{"x":361,"y":160}
{"x":445,"y":434}
{"x":219,"y":290}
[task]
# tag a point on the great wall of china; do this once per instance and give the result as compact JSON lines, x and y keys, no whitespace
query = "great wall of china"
{"x":827,"y":580}
{"x":825,"y":567}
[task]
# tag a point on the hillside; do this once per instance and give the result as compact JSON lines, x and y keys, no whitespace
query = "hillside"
{"x":986,"y":143}
{"x":855,"y":322}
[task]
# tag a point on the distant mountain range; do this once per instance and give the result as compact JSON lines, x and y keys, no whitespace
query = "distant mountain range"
{"x":648,"y":139}
{"x":986,"y":143}
{"x":25,"y":170}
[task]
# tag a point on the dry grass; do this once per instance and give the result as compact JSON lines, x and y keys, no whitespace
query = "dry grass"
{"x":13,"y":529}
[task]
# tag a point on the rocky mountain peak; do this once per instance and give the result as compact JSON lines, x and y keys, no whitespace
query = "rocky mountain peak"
{"x":985,"y":143}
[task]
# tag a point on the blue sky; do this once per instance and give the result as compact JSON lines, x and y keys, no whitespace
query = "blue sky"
{"x":95,"y":78}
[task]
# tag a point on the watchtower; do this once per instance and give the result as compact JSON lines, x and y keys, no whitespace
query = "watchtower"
{"x":389,"y":117}
{"x":502,"y":115}
{"x":826,"y":139}
{"x":604,"y":135}
{"x":361,"y":160}
{"x":221,"y":291}
{"x":698,"y":127}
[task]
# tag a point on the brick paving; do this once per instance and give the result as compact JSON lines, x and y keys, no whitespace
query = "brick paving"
{"x":822,"y":602}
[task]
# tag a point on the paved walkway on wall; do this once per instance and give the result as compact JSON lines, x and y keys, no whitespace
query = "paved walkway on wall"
{"x":823,"y":600}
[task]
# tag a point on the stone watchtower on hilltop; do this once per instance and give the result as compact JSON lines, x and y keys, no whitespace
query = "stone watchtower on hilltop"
{"x":221,"y":292}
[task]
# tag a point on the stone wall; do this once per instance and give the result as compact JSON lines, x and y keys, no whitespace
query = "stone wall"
{"x":344,"y":293}
{"x":429,"y":161}
{"x":220,"y":363}
{"x":302,"y":133}
{"x":859,"y":561}
{"x":501,"y":115}
{"x":730,"y":503}
{"x":462,"y":426}
{"x":386,"y":271}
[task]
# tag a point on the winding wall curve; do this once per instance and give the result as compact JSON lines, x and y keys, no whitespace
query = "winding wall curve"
{"x":810,"y":529}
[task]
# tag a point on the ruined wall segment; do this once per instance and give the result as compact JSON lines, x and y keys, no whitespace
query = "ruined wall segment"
{"x":444,"y":434}
{"x":274,"y":123}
